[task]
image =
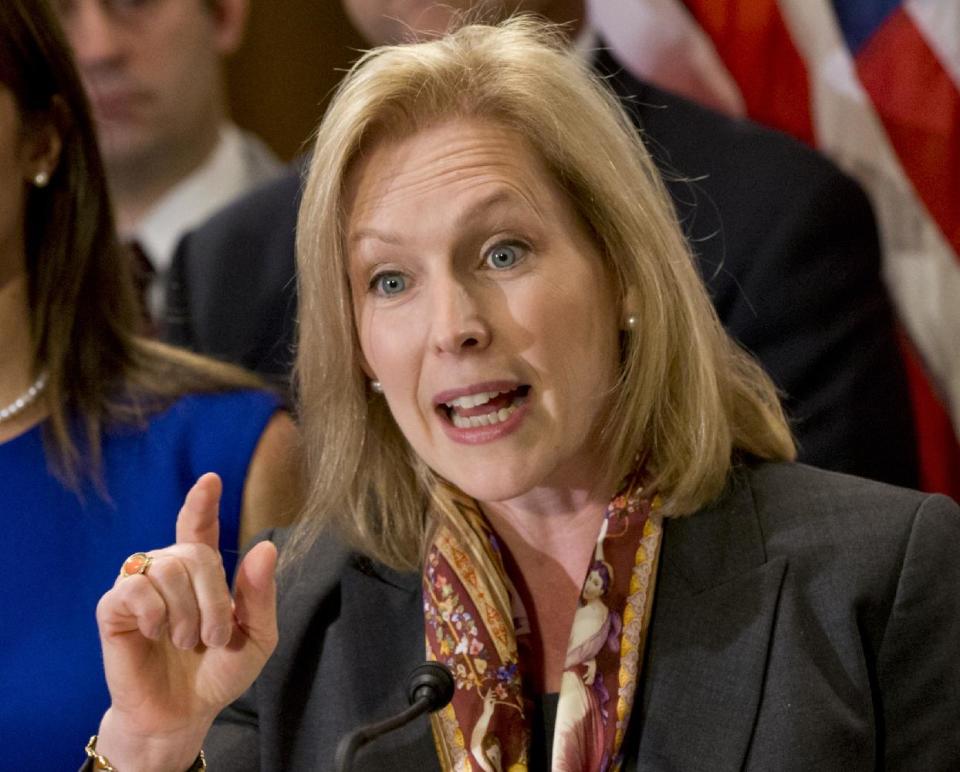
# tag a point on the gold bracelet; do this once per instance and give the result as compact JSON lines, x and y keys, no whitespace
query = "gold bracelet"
{"x":100,"y":763}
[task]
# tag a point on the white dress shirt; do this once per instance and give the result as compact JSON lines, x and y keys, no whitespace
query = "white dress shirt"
{"x":239,"y":162}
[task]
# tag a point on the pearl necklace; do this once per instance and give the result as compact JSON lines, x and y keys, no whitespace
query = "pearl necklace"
{"x":24,"y":400}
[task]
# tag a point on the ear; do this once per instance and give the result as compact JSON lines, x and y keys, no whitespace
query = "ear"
{"x":229,"y":24}
{"x":43,"y":141}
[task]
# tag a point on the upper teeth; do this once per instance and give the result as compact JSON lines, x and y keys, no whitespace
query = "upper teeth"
{"x":474,"y":400}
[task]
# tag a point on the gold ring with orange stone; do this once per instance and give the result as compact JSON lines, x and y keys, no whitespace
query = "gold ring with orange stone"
{"x":137,"y":563}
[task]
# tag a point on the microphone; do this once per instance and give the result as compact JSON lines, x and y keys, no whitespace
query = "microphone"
{"x":429,"y":688}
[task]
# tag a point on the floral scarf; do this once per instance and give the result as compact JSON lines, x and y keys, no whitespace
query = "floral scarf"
{"x":475,"y":623}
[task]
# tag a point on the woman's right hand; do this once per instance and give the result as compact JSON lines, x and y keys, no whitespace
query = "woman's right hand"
{"x":176,"y":647}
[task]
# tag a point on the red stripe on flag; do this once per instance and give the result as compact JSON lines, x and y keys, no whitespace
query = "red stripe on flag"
{"x":937,"y":446}
{"x":755,"y":45}
{"x":920,"y":110}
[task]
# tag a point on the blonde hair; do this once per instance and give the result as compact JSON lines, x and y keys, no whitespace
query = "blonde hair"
{"x":688,"y":397}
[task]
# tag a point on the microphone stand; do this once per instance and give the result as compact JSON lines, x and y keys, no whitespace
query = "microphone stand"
{"x":429,"y":688}
{"x":354,"y":741}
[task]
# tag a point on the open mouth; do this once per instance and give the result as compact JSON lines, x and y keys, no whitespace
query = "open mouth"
{"x":485,"y":408}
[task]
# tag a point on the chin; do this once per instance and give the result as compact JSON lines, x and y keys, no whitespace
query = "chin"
{"x":492,"y":487}
{"x":123,"y":147}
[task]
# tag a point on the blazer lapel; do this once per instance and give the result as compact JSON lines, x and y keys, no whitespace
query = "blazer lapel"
{"x":713,"y":614}
{"x":382,"y":621}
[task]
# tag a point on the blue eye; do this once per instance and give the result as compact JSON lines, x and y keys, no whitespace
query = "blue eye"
{"x":503,"y":256}
{"x":389,"y":283}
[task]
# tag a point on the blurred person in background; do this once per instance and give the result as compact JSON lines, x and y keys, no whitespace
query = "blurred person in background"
{"x":786,"y":244}
{"x":101,"y":431}
{"x":154,"y":76}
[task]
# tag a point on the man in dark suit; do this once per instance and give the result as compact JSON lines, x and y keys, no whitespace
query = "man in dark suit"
{"x":786,"y":244}
{"x":155,"y":77}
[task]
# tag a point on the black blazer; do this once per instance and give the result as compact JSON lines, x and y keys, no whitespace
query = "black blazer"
{"x":807,"y":620}
{"x":787,"y":246}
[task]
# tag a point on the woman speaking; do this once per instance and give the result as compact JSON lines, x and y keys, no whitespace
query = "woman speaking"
{"x":536,"y":458}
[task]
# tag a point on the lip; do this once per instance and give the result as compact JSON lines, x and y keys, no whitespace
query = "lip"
{"x":479,"y":435}
{"x":474,"y":388}
{"x":116,"y":104}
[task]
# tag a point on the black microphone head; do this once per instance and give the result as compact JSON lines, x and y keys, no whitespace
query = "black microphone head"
{"x":432,"y":682}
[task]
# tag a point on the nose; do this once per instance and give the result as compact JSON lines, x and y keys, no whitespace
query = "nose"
{"x":93,"y":33}
{"x":458,"y":322}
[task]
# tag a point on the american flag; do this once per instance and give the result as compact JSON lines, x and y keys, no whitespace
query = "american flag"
{"x":874,"y":84}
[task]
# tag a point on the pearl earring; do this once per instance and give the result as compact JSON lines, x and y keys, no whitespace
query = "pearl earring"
{"x":41,"y":178}
{"x":631,"y":322}
{"x":376,"y":387}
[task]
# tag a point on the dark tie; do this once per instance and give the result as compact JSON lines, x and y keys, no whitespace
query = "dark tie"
{"x":143,"y":276}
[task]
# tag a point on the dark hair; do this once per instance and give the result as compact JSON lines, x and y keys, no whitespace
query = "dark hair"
{"x":84,"y":313}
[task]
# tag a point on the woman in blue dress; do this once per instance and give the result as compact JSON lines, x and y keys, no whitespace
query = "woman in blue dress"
{"x":102,"y":431}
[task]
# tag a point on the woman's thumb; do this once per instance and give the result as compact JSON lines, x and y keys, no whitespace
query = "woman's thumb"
{"x":255,"y":596}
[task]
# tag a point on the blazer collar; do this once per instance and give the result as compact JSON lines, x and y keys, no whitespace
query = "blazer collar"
{"x":405,"y":581}
{"x":712,"y":621}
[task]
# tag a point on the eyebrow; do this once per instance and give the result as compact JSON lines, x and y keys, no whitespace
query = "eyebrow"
{"x":498,"y":198}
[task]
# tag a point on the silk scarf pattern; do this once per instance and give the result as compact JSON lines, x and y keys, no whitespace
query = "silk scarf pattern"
{"x":475,"y":625}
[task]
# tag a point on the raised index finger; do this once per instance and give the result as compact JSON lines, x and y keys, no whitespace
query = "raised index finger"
{"x":199,"y":518}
